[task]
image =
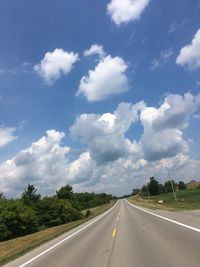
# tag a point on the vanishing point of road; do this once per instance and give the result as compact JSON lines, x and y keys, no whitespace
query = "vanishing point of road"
{"x":124,"y":236}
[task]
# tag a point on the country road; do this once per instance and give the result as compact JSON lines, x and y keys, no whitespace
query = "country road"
{"x":124,"y":236}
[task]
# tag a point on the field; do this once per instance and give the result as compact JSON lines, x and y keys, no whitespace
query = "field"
{"x":11,"y":249}
{"x":186,"y":200}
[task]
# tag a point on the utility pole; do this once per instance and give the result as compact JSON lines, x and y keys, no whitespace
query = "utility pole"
{"x":172,"y":187}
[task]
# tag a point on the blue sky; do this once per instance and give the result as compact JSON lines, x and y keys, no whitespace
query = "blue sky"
{"x":145,"y":53}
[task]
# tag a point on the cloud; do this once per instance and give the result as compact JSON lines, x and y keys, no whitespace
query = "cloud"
{"x":189,"y":55}
{"x":126,"y":10}
{"x":95,"y":49}
{"x":108,"y":78}
{"x":163,"y":59}
{"x":166,"y":54}
{"x":44,"y":164}
{"x":172,"y":28}
{"x":120,"y":176}
{"x":164,"y":126}
{"x":54,"y":64}
{"x":7,"y":135}
{"x":111,"y":159}
{"x":155,"y":64}
{"x":196,"y":116}
{"x":104,"y":134}
{"x":80,"y":169}
{"x":8,"y":71}
{"x":175,"y":26}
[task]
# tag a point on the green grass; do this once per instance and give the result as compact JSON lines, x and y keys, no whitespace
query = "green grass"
{"x":12,"y":249}
{"x":93,"y":210}
{"x":186,"y":200}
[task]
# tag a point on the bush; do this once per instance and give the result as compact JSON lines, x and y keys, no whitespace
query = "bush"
{"x":4,"y":232}
{"x":16,"y":220}
{"x":32,"y":213}
{"x":52,"y":211}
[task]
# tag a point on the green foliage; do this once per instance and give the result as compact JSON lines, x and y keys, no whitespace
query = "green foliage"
{"x":186,"y":200}
{"x":32,"y":213}
{"x":29,"y":196}
{"x":16,"y":219}
{"x":168,"y":186}
{"x":153,"y":187}
{"x":161,"y":189}
{"x":181,"y":185}
{"x":4,"y":232}
{"x":65,"y":192}
{"x":52,"y":211}
{"x":144,"y":191}
{"x":90,"y":200}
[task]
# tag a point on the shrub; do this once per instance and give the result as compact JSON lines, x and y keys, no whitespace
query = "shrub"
{"x":17,"y":220}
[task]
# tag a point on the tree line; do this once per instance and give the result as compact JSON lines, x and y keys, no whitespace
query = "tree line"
{"x":31,"y":212}
{"x":154,"y":188}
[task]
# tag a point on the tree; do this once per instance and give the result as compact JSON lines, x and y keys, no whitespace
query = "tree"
{"x":17,"y":219}
{"x":153,"y":187}
{"x":29,"y":196}
{"x":181,"y":185}
{"x":65,"y":192}
{"x":168,"y":186}
{"x":52,"y":211}
{"x":161,"y":188}
{"x":144,"y":191}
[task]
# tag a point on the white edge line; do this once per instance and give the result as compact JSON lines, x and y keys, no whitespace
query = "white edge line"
{"x":70,"y":236}
{"x":165,"y":218}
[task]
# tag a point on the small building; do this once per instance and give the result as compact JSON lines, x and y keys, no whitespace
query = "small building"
{"x":193,"y":185}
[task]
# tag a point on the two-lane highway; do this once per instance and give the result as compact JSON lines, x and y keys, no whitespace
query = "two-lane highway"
{"x":122,"y":237}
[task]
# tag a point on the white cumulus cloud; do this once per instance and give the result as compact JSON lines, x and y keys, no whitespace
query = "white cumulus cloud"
{"x":111,"y":158}
{"x":124,"y":11}
{"x":189,"y":55}
{"x":108,"y":78}
{"x":163,"y":126}
{"x":95,"y":49}
{"x":54,"y":64}
{"x":6,"y":135}
{"x":44,"y":164}
{"x":104,"y":134}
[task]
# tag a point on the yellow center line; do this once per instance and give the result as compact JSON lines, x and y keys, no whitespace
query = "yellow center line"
{"x":114,"y":232}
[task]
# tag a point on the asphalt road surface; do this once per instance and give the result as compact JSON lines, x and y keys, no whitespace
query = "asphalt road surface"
{"x":125,"y":236}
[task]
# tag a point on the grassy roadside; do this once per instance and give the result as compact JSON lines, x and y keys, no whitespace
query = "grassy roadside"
{"x":186,"y":200}
{"x":11,"y":249}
